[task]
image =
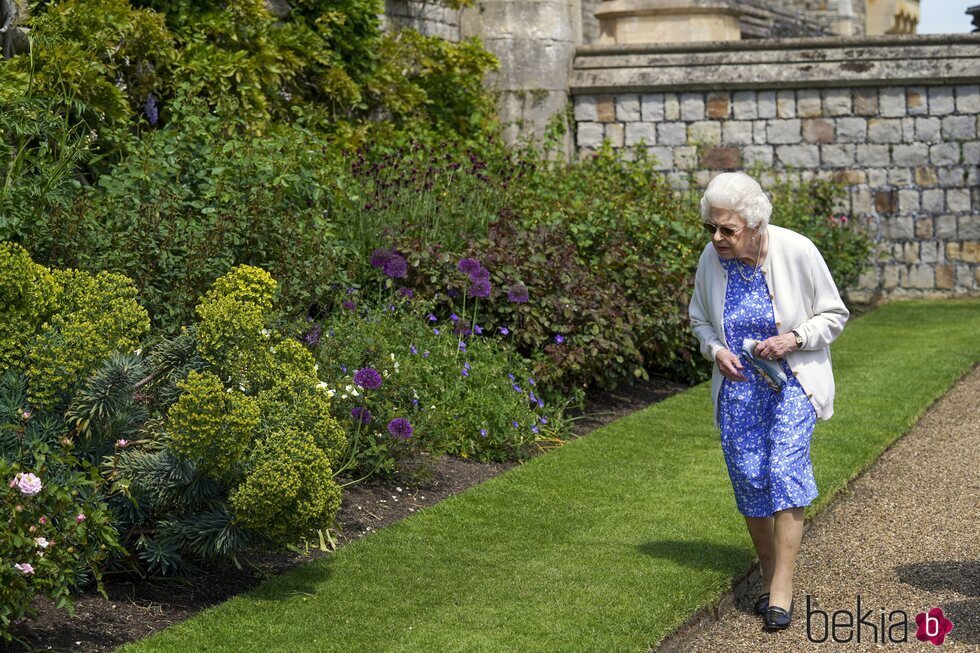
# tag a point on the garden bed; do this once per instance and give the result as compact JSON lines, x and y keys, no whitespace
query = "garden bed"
{"x":136,"y":608}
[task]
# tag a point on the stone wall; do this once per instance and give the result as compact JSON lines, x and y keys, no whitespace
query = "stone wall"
{"x":895,"y":118}
{"x":426,"y":17}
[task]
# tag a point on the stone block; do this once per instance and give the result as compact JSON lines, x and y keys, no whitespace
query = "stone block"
{"x":585,"y":109}
{"x":945,"y":227}
{"x":692,"y":106}
{"x":818,"y":130}
{"x":628,"y":107}
{"x":957,"y":200}
{"x":836,"y":102}
{"x":736,"y":132}
{"x":637,"y":131}
{"x":766,"y":104}
{"x":971,"y":153}
{"x":786,"y":104}
{"x":908,"y":201}
{"x":606,"y":108}
{"x":966,"y":251}
{"x":721,"y":158}
{"x":968,"y":227}
{"x":941,"y":100}
{"x":899,"y":177}
{"x":951,"y":177}
{"x":664,"y":157}
{"x":652,"y":107}
{"x":672,"y":107}
{"x":672,"y":133}
{"x":916,"y":100}
{"x":907,"y":252}
{"x":852,"y":130}
{"x":744,"y":106}
{"x":916,"y":154}
{"x":934,"y":200}
{"x":959,"y":128}
{"x":838,"y":156}
{"x":968,"y":98}
{"x":877,"y":177}
{"x":850,"y":177}
{"x":866,"y":101}
{"x":799,"y":156}
{"x":718,"y":106}
{"x":884,"y":130}
{"x":898,"y":228}
{"x":923,"y":228}
{"x":928,"y":130}
{"x":808,"y":103}
{"x":930,"y":251}
{"x":759,"y":132}
{"x":860,"y":200}
{"x":966,"y":277}
{"x":685,"y":157}
{"x":886,"y":201}
{"x":761,"y":154}
{"x":873,"y":155}
{"x":705,"y":132}
{"x":922,"y":276}
{"x":944,"y":276}
{"x":891,"y":276}
{"x":944,"y":154}
{"x":784,"y":131}
{"x":891,"y":102}
{"x":615,"y":133}
{"x":925,"y":176}
{"x":589,"y":134}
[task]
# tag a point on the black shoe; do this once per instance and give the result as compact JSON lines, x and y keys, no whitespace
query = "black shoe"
{"x":762,"y":604}
{"x":778,"y":619}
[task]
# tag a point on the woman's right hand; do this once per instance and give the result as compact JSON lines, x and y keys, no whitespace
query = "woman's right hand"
{"x":729,"y":364}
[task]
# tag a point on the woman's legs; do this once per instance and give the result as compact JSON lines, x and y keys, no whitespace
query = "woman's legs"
{"x":761,"y":530}
{"x":787,"y":533}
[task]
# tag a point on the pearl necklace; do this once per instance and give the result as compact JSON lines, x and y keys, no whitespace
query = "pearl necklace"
{"x":758,"y":264}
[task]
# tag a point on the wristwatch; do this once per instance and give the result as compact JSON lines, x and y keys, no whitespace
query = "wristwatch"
{"x":799,"y":338}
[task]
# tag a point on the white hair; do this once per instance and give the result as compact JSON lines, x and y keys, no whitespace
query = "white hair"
{"x":737,"y":192}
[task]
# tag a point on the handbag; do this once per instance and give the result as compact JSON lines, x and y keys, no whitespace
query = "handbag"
{"x":770,"y":371}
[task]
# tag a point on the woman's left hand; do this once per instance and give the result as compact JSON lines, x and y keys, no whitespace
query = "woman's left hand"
{"x":776,"y":347}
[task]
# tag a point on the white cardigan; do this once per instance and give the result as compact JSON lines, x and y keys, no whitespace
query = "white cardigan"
{"x":804,"y":298}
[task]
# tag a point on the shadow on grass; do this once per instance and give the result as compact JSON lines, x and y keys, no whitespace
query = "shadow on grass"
{"x":698,"y":555}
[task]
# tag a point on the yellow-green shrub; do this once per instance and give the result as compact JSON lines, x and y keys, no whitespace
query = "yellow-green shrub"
{"x":28,"y":292}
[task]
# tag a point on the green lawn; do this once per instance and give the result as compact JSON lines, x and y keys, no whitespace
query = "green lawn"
{"x":605,"y":544}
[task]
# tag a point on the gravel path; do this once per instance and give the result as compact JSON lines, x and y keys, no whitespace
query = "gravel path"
{"x":905,"y":536}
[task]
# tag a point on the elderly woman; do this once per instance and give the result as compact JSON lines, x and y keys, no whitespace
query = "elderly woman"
{"x":765,"y":283}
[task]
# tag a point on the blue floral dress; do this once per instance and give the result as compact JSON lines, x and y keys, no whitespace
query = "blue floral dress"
{"x":765,"y":434}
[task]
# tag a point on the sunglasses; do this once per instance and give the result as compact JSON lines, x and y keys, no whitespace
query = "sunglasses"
{"x":727,"y":232}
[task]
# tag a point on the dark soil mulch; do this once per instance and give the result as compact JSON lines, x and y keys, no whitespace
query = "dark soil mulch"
{"x":136,"y":608}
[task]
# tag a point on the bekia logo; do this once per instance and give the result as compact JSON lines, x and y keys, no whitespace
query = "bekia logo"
{"x":872,"y":625}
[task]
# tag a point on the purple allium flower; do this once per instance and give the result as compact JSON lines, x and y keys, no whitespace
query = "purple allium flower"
{"x":518,"y":293}
{"x":477,"y":329}
{"x":396,"y":267}
{"x":432,"y":318}
{"x":469,"y":266}
{"x":480,"y":275}
{"x":400,"y":428}
{"x":413,"y":349}
{"x":361,"y":414}
{"x":349,"y":305}
{"x":454,"y":317}
{"x":483,"y":433}
{"x":480,"y":289}
{"x":379,"y":257}
{"x":406,"y":292}
{"x":151,"y":110}
{"x":312,"y":336}
{"x":368,"y":378}
{"x":504,"y":331}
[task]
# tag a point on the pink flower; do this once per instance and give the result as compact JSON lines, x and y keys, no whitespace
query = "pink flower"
{"x":42,"y":520}
{"x":41,"y":542}
{"x":25,"y":568}
{"x":80,"y":518}
{"x":121,"y":443}
{"x":26,"y":414}
{"x":28,"y":484}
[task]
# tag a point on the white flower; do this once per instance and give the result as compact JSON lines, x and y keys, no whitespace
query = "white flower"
{"x":265,"y":332}
{"x":316,"y":367}
{"x":41,"y":542}
{"x":138,"y":351}
{"x":331,"y":393}
{"x":343,"y":396}
{"x":241,"y":386}
{"x":415,"y":394}
{"x":321,"y":385}
{"x":385,"y":373}
{"x":396,"y":367}
{"x":392,"y":356}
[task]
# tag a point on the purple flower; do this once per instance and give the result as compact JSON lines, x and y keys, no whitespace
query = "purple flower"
{"x":343,"y":368}
{"x":396,"y":267}
{"x":150,"y":109}
{"x":425,"y":354}
{"x":483,"y":433}
{"x":504,"y":331}
{"x":415,"y":402}
{"x":534,"y":429}
{"x":462,"y":346}
{"x":480,"y":289}
{"x":406,"y":292}
{"x":413,"y":349}
{"x":480,"y":275}
{"x":477,"y":329}
{"x":368,"y":378}
{"x":349,"y":305}
{"x":454,"y":317}
{"x":379,"y":257}
{"x":312,"y":336}
{"x":531,"y":380}
{"x":540,"y":404}
{"x":400,"y":428}
{"x":510,"y":376}
{"x":543,"y":419}
{"x":516,"y":387}
{"x":469,"y":266}
{"x":465,"y":372}
{"x":435,"y":331}
{"x":351,"y":290}
{"x":432,"y":318}
{"x":466,"y":364}
{"x":518,"y":293}
{"x":533,"y":398}
{"x":361,"y":414}
{"x":559,"y":338}
{"x":516,"y":425}
{"x":452,"y":292}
